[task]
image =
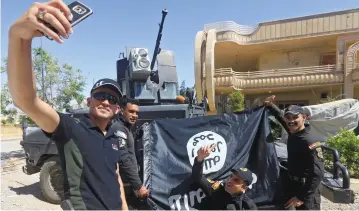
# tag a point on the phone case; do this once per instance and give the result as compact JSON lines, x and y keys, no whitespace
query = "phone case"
{"x":79,"y":12}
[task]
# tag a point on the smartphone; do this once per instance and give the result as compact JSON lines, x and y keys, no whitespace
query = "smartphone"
{"x":79,"y":12}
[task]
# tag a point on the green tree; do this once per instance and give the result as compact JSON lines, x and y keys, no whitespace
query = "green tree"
{"x":6,"y":102}
{"x":56,"y":84}
{"x":73,"y":84}
{"x":236,"y":101}
{"x":3,"y":67}
{"x":183,"y":88}
{"x":27,"y":120}
{"x":47,"y":72}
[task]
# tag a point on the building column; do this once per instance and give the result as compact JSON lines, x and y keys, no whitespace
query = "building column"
{"x":342,"y":60}
{"x":350,"y":63}
{"x":199,"y":63}
{"x":340,"y":53}
{"x":209,"y":67}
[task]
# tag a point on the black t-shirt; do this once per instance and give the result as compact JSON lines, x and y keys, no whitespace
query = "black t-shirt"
{"x":89,"y":162}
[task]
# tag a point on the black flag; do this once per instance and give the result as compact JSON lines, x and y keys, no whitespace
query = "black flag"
{"x":242,"y":140}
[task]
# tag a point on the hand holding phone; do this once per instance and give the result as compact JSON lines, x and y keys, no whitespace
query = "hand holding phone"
{"x":79,"y":13}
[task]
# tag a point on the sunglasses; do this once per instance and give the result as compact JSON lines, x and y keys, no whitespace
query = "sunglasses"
{"x":102,"y":96}
{"x":291,"y":116}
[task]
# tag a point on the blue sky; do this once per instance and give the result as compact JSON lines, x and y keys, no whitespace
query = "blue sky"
{"x":96,"y":42}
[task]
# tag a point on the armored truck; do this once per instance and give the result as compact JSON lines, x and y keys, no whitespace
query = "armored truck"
{"x":156,"y":91}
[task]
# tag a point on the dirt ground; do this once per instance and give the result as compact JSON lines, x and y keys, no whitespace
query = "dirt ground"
{"x":10,"y":131}
{"x":22,"y":192}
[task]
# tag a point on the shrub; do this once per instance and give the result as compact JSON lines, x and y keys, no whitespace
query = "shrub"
{"x":3,"y":121}
{"x":347,"y":144}
{"x":236,"y":101}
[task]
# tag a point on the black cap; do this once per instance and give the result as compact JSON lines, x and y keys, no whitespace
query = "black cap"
{"x":108,"y":83}
{"x":245,"y":174}
{"x":294,"y":109}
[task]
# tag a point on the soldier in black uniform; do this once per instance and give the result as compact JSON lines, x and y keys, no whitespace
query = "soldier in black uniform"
{"x":129,"y":173}
{"x":231,"y":195}
{"x":305,"y":158}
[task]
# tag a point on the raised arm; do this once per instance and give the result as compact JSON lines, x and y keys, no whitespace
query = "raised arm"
{"x":276,"y":112}
{"x":21,"y":78}
{"x":197,"y":171}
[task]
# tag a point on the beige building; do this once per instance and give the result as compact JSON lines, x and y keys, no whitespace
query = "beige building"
{"x":300,"y":60}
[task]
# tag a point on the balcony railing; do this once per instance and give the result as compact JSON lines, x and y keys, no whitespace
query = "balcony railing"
{"x":299,"y":76}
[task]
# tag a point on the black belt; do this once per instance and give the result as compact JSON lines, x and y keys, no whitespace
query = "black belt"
{"x":298,"y":179}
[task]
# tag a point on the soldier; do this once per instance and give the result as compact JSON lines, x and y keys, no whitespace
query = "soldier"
{"x":305,"y":158}
{"x":122,"y":126}
{"x":229,"y":196}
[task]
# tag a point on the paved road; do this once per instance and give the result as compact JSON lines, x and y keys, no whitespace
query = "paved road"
{"x":18,"y":190}
{"x":10,"y":148}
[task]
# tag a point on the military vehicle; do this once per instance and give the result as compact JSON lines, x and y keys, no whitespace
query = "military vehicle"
{"x":156,"y":91}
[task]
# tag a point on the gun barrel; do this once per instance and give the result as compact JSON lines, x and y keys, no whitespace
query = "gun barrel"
{"x":158,"y":41}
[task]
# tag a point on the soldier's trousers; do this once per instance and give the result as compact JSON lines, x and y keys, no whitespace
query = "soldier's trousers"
{"x":133,"y":201}
{"x":291,"y":189}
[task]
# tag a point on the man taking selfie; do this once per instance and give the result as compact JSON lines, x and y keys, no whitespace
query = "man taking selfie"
{"x":88,"y":152}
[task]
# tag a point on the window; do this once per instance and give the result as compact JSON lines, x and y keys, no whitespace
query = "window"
{"x":284,"y":104}
{"x":328,"y":59}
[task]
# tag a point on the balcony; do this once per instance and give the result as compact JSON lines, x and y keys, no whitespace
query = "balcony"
{"x":275,"y":78}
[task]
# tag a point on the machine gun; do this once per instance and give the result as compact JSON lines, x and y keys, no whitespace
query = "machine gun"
{"x":154,"y":76}
{"x":140,"y":81}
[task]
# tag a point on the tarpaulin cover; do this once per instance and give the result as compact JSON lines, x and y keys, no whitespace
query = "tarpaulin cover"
{"x":242,"y":140}
{"x":328,"y":118}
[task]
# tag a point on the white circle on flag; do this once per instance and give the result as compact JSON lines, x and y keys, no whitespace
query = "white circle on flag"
{"x":215,"y":161}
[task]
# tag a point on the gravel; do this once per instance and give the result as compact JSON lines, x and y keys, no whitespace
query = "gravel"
{"x":328,"y":205}
{"x":22,"y":192}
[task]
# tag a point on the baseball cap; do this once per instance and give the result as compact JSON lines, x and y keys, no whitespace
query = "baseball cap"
{"x":108,"y":83}
{"x":245,"y":174}
{"x":294,"y":109}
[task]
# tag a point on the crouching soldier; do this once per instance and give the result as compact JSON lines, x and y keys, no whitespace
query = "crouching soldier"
{"x":231,"y":195}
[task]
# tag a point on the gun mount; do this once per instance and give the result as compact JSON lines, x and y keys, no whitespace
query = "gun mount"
{"x":139,"y":80}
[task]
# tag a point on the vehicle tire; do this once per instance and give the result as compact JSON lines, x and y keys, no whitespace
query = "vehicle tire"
{"x":51,"y":181}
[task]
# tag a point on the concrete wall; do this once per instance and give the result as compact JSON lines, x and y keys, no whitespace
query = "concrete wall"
{"x":329,"y":23}
{"x":308,"y":96}
{"x":287,"y":60}
{"x":271,"y":60}
{"x":242,"y":65}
